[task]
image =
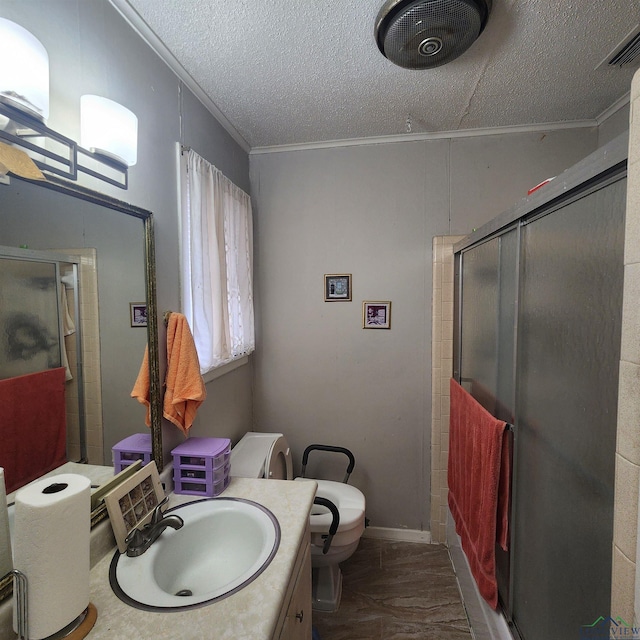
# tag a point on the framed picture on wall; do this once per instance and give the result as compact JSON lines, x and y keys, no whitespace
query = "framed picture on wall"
{"x":337,"y":287}
{"x":138,"y":311}
{"x":376,"y":315}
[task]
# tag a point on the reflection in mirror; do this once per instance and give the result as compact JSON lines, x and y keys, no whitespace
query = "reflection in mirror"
{"x":41,"y":382}
{"x":70,"y":266}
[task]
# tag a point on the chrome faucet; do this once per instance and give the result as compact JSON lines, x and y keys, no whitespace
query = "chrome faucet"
{"x":139,"y":540}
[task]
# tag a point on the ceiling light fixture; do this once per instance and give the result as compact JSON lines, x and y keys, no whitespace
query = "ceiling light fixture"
{"x":423,"y":34}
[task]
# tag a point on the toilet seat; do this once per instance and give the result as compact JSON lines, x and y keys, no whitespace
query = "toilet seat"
{"x":267,"y":455}
{"x":349,"y":501}
{"x":279,"y":457}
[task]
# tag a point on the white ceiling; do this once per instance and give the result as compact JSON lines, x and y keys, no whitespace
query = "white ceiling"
{"x":286,"y":72}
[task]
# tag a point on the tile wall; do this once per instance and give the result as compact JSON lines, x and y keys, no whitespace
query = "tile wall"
{"x":442,"y":370}
{"x":624,"y":593}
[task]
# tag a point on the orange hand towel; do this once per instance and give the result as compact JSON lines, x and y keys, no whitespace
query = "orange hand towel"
{"x":185,"y":390}
{"x":141,"y":387}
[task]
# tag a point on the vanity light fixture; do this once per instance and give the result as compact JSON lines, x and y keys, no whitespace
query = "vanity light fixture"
{"x":108,"y":129}
{"x":24,"y":109}
{"x":54,"y":153}
{"x":24,"y":72}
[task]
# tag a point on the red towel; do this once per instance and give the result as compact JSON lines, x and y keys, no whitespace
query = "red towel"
{"x":478,"y":476}
{"x":33,"y":426}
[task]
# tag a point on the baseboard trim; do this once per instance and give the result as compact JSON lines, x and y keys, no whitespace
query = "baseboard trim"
{"x":402,"y":535}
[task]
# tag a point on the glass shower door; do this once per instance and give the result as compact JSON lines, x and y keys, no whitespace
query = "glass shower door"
{"x":567,"y":380}
{"x":29,"y":321}
{"x":488,"y":308}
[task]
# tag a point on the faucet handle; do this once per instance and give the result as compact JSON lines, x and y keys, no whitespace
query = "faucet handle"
{"x":134,"y":539}
{"x":157,"y":512}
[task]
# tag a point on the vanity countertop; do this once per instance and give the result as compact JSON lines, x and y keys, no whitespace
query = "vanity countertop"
{"x":97,"y":474}
{"x":250,"y":614}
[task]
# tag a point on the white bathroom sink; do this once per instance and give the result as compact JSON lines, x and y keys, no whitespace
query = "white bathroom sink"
{"x":224,"y":545}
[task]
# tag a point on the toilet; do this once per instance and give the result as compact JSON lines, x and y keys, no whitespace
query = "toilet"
{"x":267,"y":455}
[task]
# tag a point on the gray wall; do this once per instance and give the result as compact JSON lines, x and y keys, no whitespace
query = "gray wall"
{"x":372,"y":211}
{"x":93,"y":50}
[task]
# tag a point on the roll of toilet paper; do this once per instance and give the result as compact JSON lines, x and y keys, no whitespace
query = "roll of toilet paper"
{"x":51,"y":547}
{"x":5,"y":536}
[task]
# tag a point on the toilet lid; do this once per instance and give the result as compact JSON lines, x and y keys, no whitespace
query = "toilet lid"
{"x":279,"y":460}
{"x":249,"y":455}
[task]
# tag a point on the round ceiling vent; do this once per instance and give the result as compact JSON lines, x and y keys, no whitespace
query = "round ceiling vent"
{"x":423,"y":34}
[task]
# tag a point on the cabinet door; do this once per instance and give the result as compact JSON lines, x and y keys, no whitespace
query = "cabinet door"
{"x":297,"y":622}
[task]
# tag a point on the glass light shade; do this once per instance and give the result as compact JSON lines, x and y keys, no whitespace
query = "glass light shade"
{"x":109,"y":129}
{"x":24,"y":70}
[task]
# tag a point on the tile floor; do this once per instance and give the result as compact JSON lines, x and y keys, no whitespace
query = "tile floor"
{"x":396,"y":591}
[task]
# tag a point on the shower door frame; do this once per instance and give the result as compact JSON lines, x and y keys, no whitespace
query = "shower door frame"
{"x":605,"y":166}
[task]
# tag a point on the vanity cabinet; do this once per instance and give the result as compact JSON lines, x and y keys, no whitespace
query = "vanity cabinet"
{"x":295,"y":618}
{"x":275,"y":606}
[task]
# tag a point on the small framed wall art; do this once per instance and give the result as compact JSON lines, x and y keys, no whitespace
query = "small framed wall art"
{"x":130,"y":505}
{"x":337,"y":287}
{"x":376,"y":315}
{"x":138,"y":311}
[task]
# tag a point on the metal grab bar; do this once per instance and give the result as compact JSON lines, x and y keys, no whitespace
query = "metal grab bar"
{"x":326,"y":447}
{"x":335,"y":522}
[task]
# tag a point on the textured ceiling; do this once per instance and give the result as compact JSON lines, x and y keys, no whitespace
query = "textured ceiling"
{"x":301,"y":71}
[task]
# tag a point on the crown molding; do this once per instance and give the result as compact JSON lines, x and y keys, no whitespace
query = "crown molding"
{"x":148,"y":35}
{"x":438,"y":135}
{"x":620,"y":103}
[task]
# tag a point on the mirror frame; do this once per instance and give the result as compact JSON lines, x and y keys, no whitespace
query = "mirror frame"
{"x":73,"y":190}
{"x":83,"y":193}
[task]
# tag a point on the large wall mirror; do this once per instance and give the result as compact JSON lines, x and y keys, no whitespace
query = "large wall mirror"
{"x":61,"y":244}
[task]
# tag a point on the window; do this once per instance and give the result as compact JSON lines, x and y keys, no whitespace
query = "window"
{"x":216,"y":263}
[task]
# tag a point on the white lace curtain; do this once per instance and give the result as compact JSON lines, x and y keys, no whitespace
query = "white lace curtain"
{"x":217,"y":263}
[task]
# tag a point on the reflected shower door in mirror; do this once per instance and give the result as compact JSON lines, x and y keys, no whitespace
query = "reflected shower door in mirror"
{"x":41,"y":377}
{"x":101,"y":261}
{"x":30,"y":337}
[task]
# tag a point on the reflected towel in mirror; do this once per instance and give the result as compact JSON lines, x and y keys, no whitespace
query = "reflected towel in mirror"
{"x":34,"y":433}
{"x":141,"y":388}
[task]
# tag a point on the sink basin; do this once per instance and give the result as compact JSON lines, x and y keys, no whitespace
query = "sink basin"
{"x":224,"y":545}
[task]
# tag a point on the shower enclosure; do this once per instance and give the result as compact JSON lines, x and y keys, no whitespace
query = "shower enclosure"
{"x":40,"y":327}
{"x":537,"y":343}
